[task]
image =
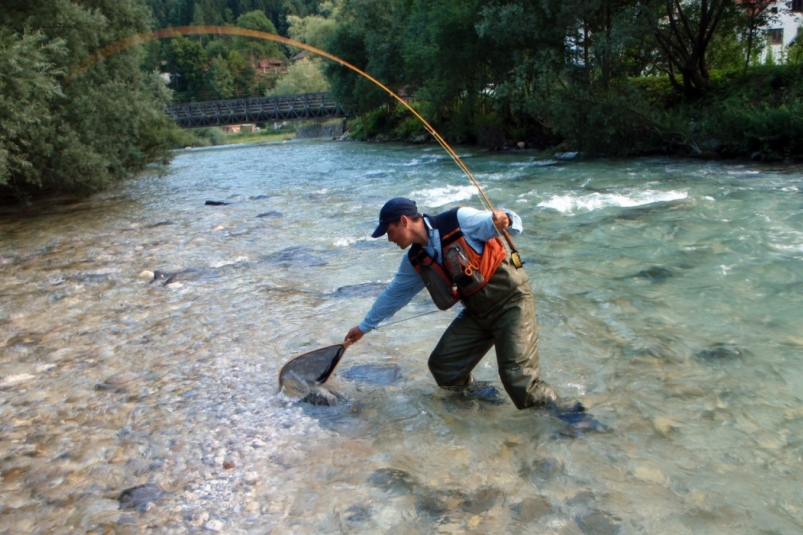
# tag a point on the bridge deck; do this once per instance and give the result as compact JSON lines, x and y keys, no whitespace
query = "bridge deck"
{"x":251,"y":110}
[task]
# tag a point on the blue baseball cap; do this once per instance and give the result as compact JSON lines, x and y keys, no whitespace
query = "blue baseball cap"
{"x":392,"y":212}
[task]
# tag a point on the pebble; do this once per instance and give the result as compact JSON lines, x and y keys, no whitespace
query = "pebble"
{"x":11,"y":381}
{"x":214,"y":525}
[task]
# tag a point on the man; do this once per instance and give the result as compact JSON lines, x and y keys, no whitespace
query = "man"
{"x":458,"y":255}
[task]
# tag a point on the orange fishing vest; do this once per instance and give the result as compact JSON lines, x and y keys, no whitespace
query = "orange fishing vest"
{"x":464,"y":271}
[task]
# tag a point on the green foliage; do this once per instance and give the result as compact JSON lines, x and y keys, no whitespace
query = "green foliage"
{"x":257,"y":48}
{"x":760,"y":131}
{"x":27,"y":90}
{"x":219,"y":79}
{"x":304,"y":76}
{"x":313,"y":30}
{"x":186,"y":61}
{"x":104,"y":125}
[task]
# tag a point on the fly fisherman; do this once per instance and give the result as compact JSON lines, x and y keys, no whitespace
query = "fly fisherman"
{"x":458,"y":256}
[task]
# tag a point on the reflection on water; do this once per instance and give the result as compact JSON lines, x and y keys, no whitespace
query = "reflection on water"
{"x":142,"y":331}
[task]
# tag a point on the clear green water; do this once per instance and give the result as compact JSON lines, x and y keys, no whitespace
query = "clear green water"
{"x":669,"y":296}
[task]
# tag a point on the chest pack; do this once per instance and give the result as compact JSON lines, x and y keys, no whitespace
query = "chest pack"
{"x":464,"y":271}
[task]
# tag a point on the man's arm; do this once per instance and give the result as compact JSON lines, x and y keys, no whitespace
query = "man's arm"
{"x":479,"y":226}
{"x":404,"y":286}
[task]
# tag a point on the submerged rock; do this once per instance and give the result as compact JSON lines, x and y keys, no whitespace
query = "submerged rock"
{"x":139,"y":497}
{"x":323,"y":397}
{"x":160,"y":224}
{"x":599,"y":523}
{"x":481,"y":500}
{"x":655,"y":274}
{"x":90,"y":278}
{"x":530,"y":509}
{"x":375,"y":374}
{"x":272,"y":213}
{"x":190,"y":274}
{"x":393,"y":480}
{"x":722,"y":352}
{"x":298,"y":255}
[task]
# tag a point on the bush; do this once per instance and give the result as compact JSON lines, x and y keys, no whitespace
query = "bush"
{"x":771,"y":133}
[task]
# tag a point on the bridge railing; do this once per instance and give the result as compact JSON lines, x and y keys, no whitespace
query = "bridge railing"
{"x":251,"y":110}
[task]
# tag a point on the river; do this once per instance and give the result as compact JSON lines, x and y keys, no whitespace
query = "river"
{"x":669,"y":297}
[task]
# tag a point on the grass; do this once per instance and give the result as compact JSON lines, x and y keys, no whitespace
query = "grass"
{"x":262,"y":136}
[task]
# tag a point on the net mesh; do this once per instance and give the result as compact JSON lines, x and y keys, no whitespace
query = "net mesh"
{"x":309,"y":369}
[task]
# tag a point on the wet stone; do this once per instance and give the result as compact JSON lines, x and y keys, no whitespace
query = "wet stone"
{"x":655,"y":274}
{"x":295,"y":256}
{"x":393,"y":480}
{"x":530,"y":509}
{"x":437,"y":503}
{"x":139,"y":497}
{"x":90,"y":278}
{"x":722,"y":352}
{"x":541,"y":470}
{"x":375,"y":374}
{"x":190,"y":274}
{"x":482,"y":500}
{"x":323,"y":397}
{"x":160,"y":224}
{"x":357,"y":514}
{"x":599,"y":523}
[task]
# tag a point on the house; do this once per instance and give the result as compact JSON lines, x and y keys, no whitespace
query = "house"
{"x":785,"y":22}
{"x":269,"y":65}
{"x":301,"y":55}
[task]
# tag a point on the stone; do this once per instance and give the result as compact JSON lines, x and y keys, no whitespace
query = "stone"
{"x":214,"y":525}
{"x":139,"y":497}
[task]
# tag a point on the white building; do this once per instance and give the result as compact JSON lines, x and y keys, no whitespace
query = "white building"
{"x":783,"y":29}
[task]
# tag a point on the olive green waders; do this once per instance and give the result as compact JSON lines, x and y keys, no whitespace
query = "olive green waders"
{"x":501,"y":314}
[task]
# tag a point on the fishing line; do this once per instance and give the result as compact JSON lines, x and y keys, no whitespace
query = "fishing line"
{"x":164,"y":33}
{"x":405,"y":319}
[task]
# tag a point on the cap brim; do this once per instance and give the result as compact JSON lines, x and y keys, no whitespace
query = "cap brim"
{"x":380,"y":230}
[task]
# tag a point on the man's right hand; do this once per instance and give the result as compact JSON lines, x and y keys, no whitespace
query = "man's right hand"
{"x":354,"y":335}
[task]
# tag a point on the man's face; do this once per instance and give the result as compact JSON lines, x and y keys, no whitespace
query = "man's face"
{"x":400,"y":233}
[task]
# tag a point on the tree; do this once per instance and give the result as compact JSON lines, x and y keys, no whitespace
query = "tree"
{"x":28,"y":89}
{"x":257,"y":48}
{"x":186,"y":62}
{"x":313,"y":30}
{"x":101,"y":126}
{"x":219,"y":80}
{"x":303,"y":76}
{"x":683,"y":30}
{"x":755,"y":15}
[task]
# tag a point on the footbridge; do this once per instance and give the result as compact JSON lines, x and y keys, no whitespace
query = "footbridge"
{"x":252,"y":110}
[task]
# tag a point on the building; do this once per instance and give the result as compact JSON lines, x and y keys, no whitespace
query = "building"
{"x":785,"y":23}
{"x":269,"y":65}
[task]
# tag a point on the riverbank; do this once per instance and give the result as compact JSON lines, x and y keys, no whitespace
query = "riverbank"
{"x":757,"y":115}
